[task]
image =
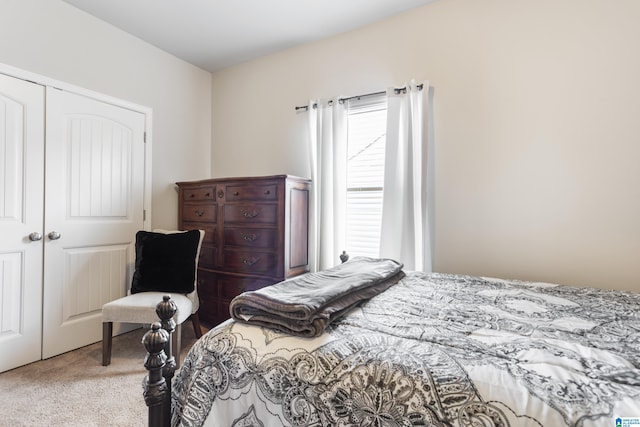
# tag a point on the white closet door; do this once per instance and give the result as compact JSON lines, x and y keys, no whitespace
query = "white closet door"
{"x":21,"y":189}
{"x":94,"y":206}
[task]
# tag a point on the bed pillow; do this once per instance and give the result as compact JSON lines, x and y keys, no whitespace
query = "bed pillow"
{"x":166,"y":262}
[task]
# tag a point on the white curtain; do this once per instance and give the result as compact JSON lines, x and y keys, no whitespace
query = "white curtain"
{"x":405,"y":234}
{"x":328,"y":150}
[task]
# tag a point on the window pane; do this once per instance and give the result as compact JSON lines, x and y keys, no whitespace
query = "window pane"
{"x":365,"y":176}
{"x":364,"y":215}
{"x":366,"y":141}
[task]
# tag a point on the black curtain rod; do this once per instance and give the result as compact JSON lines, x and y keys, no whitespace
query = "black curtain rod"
{"x":341,"y":100}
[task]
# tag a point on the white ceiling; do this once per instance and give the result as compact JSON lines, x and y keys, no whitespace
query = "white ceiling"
{"x":214,"y":34}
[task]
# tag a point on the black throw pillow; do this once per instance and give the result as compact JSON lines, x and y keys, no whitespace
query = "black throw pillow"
{"x":165,"y":262}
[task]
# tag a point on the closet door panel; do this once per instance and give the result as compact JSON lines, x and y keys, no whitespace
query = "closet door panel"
{"x":21,"y":207}
{"x":94,"y":206}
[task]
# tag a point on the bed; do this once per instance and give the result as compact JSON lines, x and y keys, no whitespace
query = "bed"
{"x":427,"y":349}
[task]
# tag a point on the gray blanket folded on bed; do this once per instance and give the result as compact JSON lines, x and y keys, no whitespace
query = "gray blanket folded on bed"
{"x":307,"y":304}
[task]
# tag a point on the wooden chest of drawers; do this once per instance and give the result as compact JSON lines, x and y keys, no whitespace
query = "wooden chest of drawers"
{"x":256,"y":235}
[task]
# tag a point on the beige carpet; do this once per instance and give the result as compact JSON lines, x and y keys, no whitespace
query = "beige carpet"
{"x":74,"y":389}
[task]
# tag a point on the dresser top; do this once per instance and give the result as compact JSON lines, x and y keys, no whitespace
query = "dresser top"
{"x":245,"y":178}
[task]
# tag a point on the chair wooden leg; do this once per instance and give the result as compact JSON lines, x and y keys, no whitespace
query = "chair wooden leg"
{"x":197,"y":328}
{"x":107,"y":332}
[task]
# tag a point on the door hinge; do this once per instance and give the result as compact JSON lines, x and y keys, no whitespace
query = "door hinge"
{"x":144,"y":214}
{"x":145,"y":137}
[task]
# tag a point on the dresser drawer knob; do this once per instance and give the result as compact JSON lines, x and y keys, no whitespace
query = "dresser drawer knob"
{"x":248,"y":237}
{"x":236,"y":193}
{"x":249,"y":214}
{"x":220,"y":194}
{"x":267,"y":192}
{"x":198,"y":212}
{"x":249,"y":261}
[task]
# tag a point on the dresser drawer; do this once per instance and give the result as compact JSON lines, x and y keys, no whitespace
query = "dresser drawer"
{"x":209,"y":230}
{"x":207,"y":286}
{"x":238,"y":193}
{"x":251,"y":237}
{"x":194,"y":212}
{"x":255,"y":213}
{"x":250,"y":262}
{"x":230,"y":287}
{"x":207,"y":256}
{"x":217,"y":290}
{"x":208,"y":295}
{"x":199,"y":193}
{"x":208,"y":250}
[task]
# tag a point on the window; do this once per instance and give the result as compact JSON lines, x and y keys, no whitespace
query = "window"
{"x":367,"y":127}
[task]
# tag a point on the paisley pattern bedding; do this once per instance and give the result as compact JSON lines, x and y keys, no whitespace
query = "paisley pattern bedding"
{"x":432,"y":350}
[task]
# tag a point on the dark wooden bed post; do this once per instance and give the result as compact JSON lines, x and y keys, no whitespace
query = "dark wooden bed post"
{"x":155,"y":386}
{"x":160,"y":363}
{"x":165,"y":310}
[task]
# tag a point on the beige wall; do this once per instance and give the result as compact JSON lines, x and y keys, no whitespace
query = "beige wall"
{"x":537,"y":126}
{"x":537,"y":119}
{"x":58,"y":41}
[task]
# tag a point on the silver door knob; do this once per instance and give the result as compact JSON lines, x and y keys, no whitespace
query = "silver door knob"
{"x":54,"y":235}
{"x":35,"y":236}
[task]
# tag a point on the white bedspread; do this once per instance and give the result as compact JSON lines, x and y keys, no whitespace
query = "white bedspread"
{"x":434,"y":349}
